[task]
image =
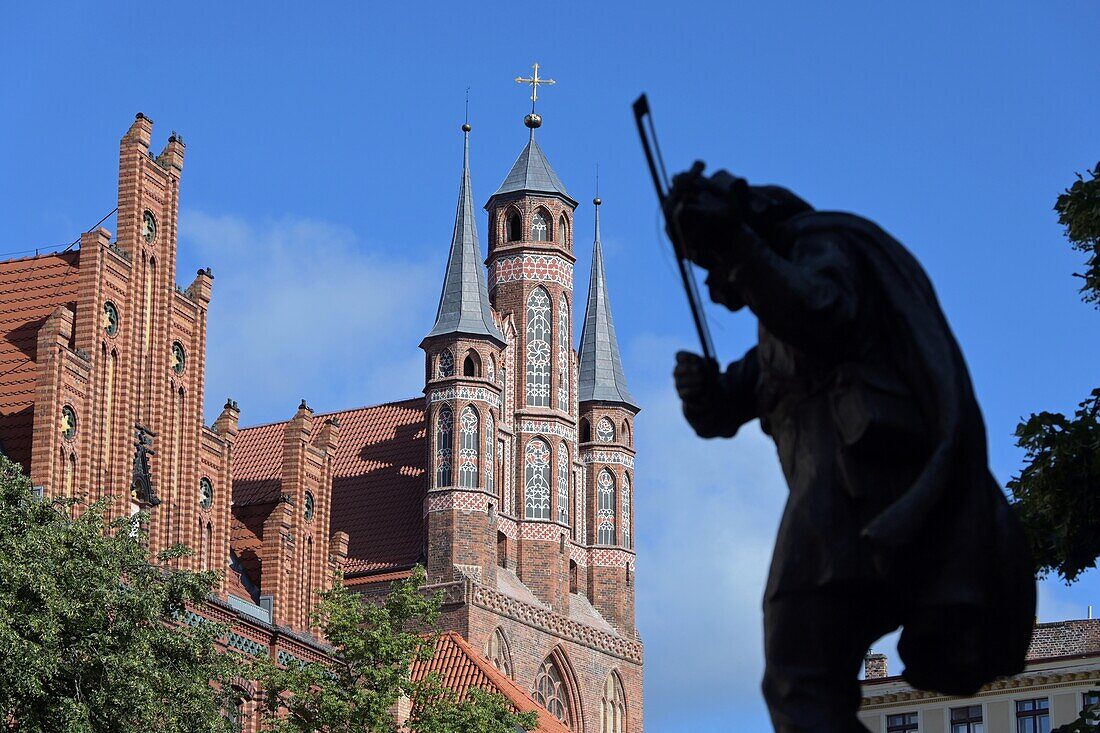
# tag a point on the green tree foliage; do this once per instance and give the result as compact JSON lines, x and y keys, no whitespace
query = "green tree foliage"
{"x":1079,"y":212}
{"x":358,"y":689}
{"x":87,"y":642}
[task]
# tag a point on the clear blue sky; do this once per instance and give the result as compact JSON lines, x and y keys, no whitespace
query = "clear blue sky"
{"x":322,"y":167}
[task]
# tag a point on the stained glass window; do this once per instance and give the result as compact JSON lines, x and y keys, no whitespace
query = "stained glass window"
{"x":605,"y":508}
{"x":605,"y":431}
{"x":613,"y":706}
{"x":490,"y":441}
{"x":625,"y":514}
{"x":68,"y":422}
{"x":563,"y":483}
{"x":179,"y":358}
{"x":468,"y":448}
{"x":308,"y":510}
{"x":498,"y":654}
{"x":538,"y":349}
{"x":110,"y":318}
{"x":446,"y":364}
{"x":550,"y":691}
{"x":444,"y":440}
{"x":539,"y":229}
{"x":536,"y":487}
{"x":563,"y":354}
{"x":206,"y":493}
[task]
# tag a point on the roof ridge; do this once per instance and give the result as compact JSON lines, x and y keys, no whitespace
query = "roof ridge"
{"x":335,"y":412}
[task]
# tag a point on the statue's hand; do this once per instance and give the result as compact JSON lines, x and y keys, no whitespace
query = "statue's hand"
{"x":701,"y":391}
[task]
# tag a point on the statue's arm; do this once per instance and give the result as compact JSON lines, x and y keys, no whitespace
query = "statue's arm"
{"x":805,"y":299}
{"x":721,"y":415}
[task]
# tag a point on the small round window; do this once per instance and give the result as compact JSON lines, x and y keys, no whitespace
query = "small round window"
{"x":206,"y":493}
{"x":68,"y":422}
{"x":309,"y":506}
{"x":179,"y":358}
{"x":149,"y":227}
{"x":110,"y":318}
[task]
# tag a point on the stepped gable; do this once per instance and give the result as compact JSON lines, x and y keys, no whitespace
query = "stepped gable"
{"x":30,"y":290}
{"x":377,"y":487}
{"x":461,"y":667}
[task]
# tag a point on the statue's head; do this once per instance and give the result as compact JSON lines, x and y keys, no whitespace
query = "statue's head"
{"x":765,"y":208}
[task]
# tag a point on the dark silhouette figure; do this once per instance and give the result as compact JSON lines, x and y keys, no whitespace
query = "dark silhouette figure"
{"x":893,"y":518}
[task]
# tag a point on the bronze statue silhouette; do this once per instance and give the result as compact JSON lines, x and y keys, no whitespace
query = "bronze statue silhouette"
{"x":893,"y":518}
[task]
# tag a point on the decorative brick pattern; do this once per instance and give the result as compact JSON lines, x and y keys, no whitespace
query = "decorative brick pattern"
{"x":549,"y":427}
{"x":616,"y":457}
{"x":470,"y":394}
{"x":531,"y":268}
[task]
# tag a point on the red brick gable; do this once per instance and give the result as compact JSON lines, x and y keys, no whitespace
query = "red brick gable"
{"x":378,"y":482}
{"x":30,"y":290}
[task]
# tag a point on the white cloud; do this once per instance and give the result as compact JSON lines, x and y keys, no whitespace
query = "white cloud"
{"x":303,"y":309}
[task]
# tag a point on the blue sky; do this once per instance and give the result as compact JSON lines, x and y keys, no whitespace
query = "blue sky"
{"x":323,"y":162}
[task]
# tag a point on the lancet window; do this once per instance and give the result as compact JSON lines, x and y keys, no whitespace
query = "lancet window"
{"x":468,"y":448}
{"x":446,"y":364}
{"x":613,"y":706}
{"x":497,"y":652}
{"x":550,"y":691}
{"x":605,"y":431}
{"x":605,"y":508}
{"x":540,"y":230}
{"x":625,"y":514}
{"x":563,"y":483}
{"x":536,"y":488}
{"x":490,"y":442}
{"x":563,"y":354}
{"x":538,"y":348}
{"x":444,"y":440}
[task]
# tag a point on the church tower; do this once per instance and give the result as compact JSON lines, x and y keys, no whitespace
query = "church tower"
{"x":462,"y":353}
{"x":607,"y":411}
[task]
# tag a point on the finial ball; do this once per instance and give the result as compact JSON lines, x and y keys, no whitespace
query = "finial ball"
{"x":597,"y":201}
{"x":466,"y":127}
{"x":533,"y":121}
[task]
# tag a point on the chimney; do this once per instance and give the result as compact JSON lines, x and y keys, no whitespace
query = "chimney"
{"x":874,"y":666}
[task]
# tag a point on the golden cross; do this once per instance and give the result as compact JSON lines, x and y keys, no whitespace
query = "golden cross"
{"x":534,"y":81}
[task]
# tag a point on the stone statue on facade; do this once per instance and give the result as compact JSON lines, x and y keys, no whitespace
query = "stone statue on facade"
{"x":893,"y":518}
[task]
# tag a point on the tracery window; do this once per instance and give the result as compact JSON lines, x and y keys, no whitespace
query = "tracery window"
{"x":468,"y":448}
{"x":563,"y":354}
{"x":446,"y":364}
{"x":491,"y":369}
{"x":605,"y":508}
{"x":444,"y":440}
{"x":563,"y":483}
{"x":562,"y":230}
{"x":540,"y":232}
{"x":536,"y":486}
{"x":605,"y":431}
{"x":206,"y":493}
{"x":538,"y":348}
{"x":613,"y":706}
{"x":490,"y":442}
{"x":550,"y":691}
{"x":625,"y":514}
{"x":497,"y":652}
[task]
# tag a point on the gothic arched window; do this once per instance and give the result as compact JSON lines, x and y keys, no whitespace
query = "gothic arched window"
{"x":625,"y":514}
{"x":586,"y":430}
{"x":444,"y":442}
{"x":498,"y":652}
{"x":536,"y":485}
{"x":540,"y":230}
{"x":605,"y":508}
{"x":471,"y":366}
{"x":605,"y":431}
{"x":563,"y":354}
{"x":490,"y":441}
{"x":550,"y":691}
{"x":613,"y":706}
{"x":515,"y":229}
{"x":468,"y":448}
{"x":491,"y":369}
{"x":446,"y":364}
{"x":563,"y":483}
{"x":562,"y":230}
{"x":538,"y":348}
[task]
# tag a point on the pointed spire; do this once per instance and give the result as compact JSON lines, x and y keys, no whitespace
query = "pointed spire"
{"x":532,"y":173}
{"x":464,"y":303}
{"x":601,"y":376}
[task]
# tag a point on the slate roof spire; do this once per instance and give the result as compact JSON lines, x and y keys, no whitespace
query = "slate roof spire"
{"x":601,"y":376}
{"x":464,"y":303}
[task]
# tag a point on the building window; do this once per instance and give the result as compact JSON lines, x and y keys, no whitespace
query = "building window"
{"x":605,"y":431}
{"x":68,"y":422}
{"x":586,"y":430}
{"x":515,"y":231}
{"x":563,"y":354}
{"x":550,"y":691}
{"x":446,"y":364}
{"x":903,"y":723}
{"x":444,"y":440}
{"x":491,"y":369}
{"x":468,"y":448}
{"x":536,"y":487}
{"x":308,"y":513}
{"x":110,"y":318}
{"x":497,"y":652}
{"x":471,"y":367}
{"x":538,"y":348}
{"x":502,"y":549}
{"x":490,"y":441}
{"x":179,"y":358}
{"x":613,"y":706}
{"x":562,"y":229}
{"x":625,"y":514}
{"x":605,"y":508}
{"x":1090,"y":699}
{"x":967,"y":720}
{"x":563,"y":483}
{"x":206,"y":493}
{"x":1033,"y":716}
{"x":540,"y":232}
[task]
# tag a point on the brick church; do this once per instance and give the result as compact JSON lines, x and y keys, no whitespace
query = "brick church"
{"x":510,"y":478}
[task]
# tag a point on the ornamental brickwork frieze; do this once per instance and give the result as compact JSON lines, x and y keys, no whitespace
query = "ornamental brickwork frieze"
{"x":610,"y":557}
{"x":621,"y":458}
{"x":548,"y":427}
{"x":473,"y":394}
{"x":445,"y":499}
{"x":531,"y":267}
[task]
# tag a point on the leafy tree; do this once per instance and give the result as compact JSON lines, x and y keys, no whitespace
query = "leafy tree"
{"x":87,"y":642}
{"x":369,"y":672}
{"x":1058,"y":490}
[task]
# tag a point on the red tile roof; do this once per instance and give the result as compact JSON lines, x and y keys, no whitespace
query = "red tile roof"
{"x":30,"y":290}
{"x":461,"y":667}
{"x":378,"y":481}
